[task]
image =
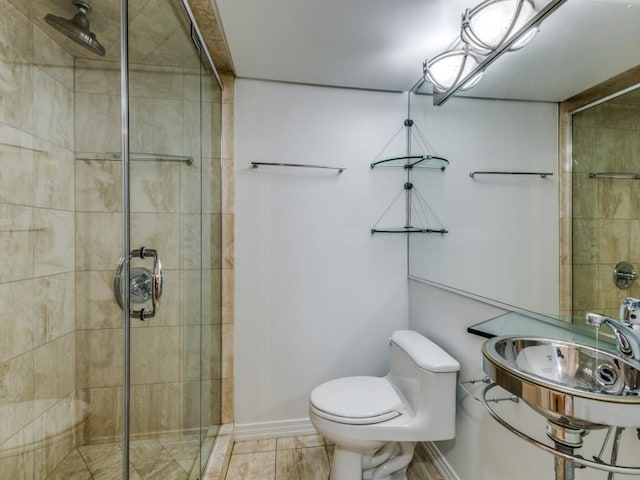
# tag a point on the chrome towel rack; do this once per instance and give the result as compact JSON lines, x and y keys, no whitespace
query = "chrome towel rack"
{"x":539,"y":174}
{"x":415,"y":161}
{"x":632,"y":176}
{"x":138,"y":157}
{"x":301,"y":165}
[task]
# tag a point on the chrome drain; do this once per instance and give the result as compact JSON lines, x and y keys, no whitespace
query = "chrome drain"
{"x":607,"y":375}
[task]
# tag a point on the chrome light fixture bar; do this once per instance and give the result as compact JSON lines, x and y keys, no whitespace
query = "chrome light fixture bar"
{"x":441,"y":97}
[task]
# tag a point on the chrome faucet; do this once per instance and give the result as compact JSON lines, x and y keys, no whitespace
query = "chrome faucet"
{"x":627,"y":339}
{"x":630,"y":311}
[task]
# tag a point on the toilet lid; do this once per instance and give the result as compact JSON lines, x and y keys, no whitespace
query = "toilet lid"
{"x":357,"y":400}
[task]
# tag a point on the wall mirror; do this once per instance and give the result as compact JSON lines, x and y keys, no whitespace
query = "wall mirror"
{"x":526,"y":227}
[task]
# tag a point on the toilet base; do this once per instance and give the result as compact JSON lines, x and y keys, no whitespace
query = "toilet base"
{"x":347,"y":465}
{"x":388,"y":463}
{"x":401,"y":475}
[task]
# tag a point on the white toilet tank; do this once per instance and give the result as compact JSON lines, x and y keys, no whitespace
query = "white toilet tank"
{"x":427,"y":376}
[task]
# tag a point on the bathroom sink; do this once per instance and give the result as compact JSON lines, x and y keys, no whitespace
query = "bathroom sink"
{"x":576,"y":386}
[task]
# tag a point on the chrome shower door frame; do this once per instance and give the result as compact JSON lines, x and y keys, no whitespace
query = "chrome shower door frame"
{"x":126,"y":229}
{"x":126,"y":205}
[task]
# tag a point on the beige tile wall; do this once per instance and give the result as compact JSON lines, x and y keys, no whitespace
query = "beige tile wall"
{"x":37,"y":282}
{"x":228,"y":259}
{"x":211,"y":29}
{"x":606,"y":212}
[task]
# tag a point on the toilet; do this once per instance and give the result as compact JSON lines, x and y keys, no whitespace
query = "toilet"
{"x":375,"y":422}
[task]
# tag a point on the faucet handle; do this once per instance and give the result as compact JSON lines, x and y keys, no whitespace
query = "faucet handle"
{"x":630,"y":311}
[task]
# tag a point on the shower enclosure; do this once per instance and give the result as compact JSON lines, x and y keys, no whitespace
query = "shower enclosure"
{"x":109,"y":178}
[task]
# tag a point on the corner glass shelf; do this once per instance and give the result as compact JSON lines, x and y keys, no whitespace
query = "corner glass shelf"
{"x":431,"y":162}
{"x":414,"y":201}
{"x":408,"y":230}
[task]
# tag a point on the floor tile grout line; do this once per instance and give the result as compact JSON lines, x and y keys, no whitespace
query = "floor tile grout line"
{"x":85,"y":462}
{"x":326,"y":452}
{"x":275,"y":463}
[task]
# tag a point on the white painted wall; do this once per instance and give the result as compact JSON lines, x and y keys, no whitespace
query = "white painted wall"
{"x":317,"y":295}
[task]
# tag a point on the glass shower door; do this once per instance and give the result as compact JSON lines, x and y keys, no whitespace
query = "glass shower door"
{"x":171,"y":241}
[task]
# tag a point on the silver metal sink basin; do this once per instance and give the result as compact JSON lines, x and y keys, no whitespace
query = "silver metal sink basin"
{"x":570,"y":384}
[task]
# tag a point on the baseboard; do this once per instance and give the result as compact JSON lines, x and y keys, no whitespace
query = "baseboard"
{"x":438,"y":460}
{"x":285,"y":428}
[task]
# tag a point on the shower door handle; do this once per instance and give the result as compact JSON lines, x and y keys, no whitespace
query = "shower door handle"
{"x":156,"y":282}
{"x":144,"y":285}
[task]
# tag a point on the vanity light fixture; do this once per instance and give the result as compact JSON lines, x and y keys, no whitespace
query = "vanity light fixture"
{"x":446,"y":70}
{"x":488,"y":25}
{"x":488,"y":30}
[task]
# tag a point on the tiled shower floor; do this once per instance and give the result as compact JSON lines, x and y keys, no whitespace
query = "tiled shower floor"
{"x":170,"y":458}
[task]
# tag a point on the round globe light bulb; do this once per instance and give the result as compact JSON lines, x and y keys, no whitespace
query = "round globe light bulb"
{"x":447,"y":69}
{"x":491,"y":23}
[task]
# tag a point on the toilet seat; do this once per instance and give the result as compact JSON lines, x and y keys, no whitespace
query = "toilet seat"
{"x":357,"y":401}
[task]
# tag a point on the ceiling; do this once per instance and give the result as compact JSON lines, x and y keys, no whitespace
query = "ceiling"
{"x":381,"y":44}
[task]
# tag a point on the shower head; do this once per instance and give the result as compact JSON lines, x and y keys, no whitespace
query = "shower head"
{"x":77,"y":28}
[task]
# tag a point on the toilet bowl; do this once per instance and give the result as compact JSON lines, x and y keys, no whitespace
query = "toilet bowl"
{"x":375,"y":422}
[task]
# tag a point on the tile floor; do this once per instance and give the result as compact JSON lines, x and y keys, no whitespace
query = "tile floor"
{"x":168,"y":458}
{"x":301,"y":458}
{"x":174,"y":458}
